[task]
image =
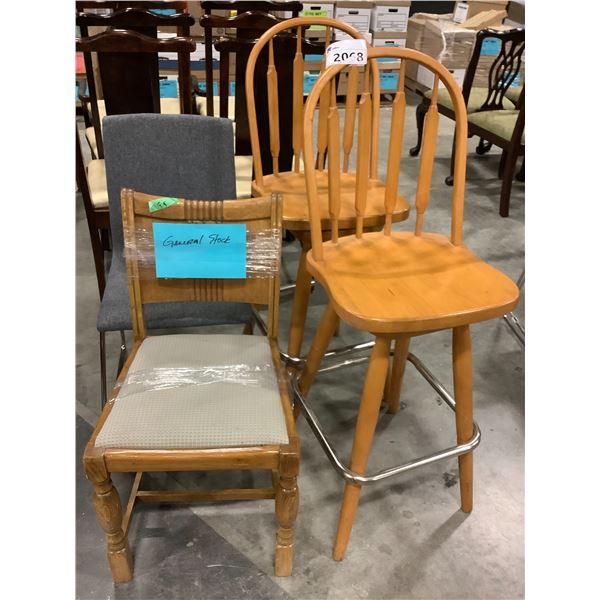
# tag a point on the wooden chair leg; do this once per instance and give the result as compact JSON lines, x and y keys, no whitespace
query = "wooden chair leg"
{"x":299,"y":306}
{"x":363,"y":437}
{"x":327,"y":326}
{"x":462,"y":367}
{"x":507,"y":179}
{"x":502,"y":164}
{"x":110,"y":517}
{"x":450,"y":179}
{"x":420,"y":114}
{"x":286,"y":510}
{"x":396,"y":374}
{"x":249,"y":327}
{"x":520,"y":176}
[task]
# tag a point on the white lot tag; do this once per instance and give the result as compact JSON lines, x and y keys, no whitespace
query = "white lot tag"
{"x":460,"y":12}
{"x":347,"y":52}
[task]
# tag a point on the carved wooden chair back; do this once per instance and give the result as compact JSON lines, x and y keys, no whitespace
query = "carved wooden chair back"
{"x":503,"y":70}
{"x":276,"y":108}
{"x":262,"y":218}
{"x":367,"y":122}
{"x":128,"y":62}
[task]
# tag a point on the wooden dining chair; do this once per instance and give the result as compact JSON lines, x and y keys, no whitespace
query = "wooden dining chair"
{"x":234,"y":48}
{"x":128,"y":65}
{"x":493,"y":111}
{"x":393,"y":284}
{"x":290,"y":181}
{"x":96,"y":214}
{"x":197,"y":402}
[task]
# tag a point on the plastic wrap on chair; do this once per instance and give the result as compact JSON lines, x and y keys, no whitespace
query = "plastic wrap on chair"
{"x":261,"y":257}
{"x":163,"y":378}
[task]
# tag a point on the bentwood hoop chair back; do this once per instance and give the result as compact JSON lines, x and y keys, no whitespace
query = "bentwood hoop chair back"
{"x":164,"y":416}
{"x":289,"y":179}
{"x":396,"y":284}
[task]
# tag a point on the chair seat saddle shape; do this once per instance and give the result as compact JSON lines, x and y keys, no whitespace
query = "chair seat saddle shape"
{"x":195,"y":402}
{"x":397,"y":284}
{"x":228,"y":395}
{"x":407,"y":283}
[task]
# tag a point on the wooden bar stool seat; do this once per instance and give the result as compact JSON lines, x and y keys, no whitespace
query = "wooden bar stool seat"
{"x":292,"y":186}
{"x":404,"y":283}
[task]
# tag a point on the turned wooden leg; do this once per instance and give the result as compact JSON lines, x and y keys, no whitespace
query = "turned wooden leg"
{"x":327,"y":326}
{"x":299,"y":307}
{"x":109,"y":514}
{"x":286,"y":509}
{"x":396,"y":374}
{"x":462,"y":367}
{"x":507,"y":180}
{"x":363,"y":437}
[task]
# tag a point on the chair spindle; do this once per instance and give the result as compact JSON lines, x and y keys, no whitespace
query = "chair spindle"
{"x":362,"y":160}
{"x":333,"y":172}
{"x":298,"y":100}
{"x":427,"y":157}
{"x":350,"y":116}
{"x":395,"y":150}
{"x":323,"y":110}
{"x":273,"y":109}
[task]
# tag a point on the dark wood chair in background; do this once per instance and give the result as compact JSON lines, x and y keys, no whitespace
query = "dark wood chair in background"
{"x":242,"y":31}
{"x":97,"y":217}
{"x":128,"y":68}
{"x":496,"y":113}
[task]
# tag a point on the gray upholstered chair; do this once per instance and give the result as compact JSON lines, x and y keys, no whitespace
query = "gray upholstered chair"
{"x":187,"y":156}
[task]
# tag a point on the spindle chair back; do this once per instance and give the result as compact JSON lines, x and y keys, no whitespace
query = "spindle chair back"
{"x":368,"y":121}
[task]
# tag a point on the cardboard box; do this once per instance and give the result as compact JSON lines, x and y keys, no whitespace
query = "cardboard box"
{"x":355,"y":12}
{"x":426,"y":77}
{"x":390,"y":15}
{"x":466,"y":10}
{"x":384,"y":38}
{"x":342,"y":35}
{"x":516,"y":13}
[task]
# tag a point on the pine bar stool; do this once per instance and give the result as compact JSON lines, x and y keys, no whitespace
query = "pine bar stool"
{"x":291,"y":184}
{"x":163,"y":415}
{"x":397,"y":285}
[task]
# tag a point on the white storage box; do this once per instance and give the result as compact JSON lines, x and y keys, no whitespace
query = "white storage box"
{"x":354,"y":12}
{"x":390,"y":15}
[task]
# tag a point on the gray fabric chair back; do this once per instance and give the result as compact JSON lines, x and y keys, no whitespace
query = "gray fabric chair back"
{"x":185,"y":156}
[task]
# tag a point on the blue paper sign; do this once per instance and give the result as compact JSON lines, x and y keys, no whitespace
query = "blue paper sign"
{"x":168,"y":88}
{"x":490,"y":47}
{"x":309,"y":81}
{"x":200,"y":250}
{"x":389,"y":81}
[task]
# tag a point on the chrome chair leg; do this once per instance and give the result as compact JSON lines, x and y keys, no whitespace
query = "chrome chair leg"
{"x":512,"y":320}
{"x":122,"y":352}
{"x":361,"y":479}
{"x":102,"y":368}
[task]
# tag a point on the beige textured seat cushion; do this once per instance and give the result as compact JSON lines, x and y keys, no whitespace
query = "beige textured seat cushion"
{"x":202,"y":106}
{"x":243,"y":176}
{"x":513,"y":93}
{"x":499,"y":122}
{"x":168,"y":106}
{"x":96,"y":174}
{"x":476,"y":99}
{"x":216,"y":415}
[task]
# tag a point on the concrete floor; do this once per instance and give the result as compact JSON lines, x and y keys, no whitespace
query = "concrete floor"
{"x":410,"y":540}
